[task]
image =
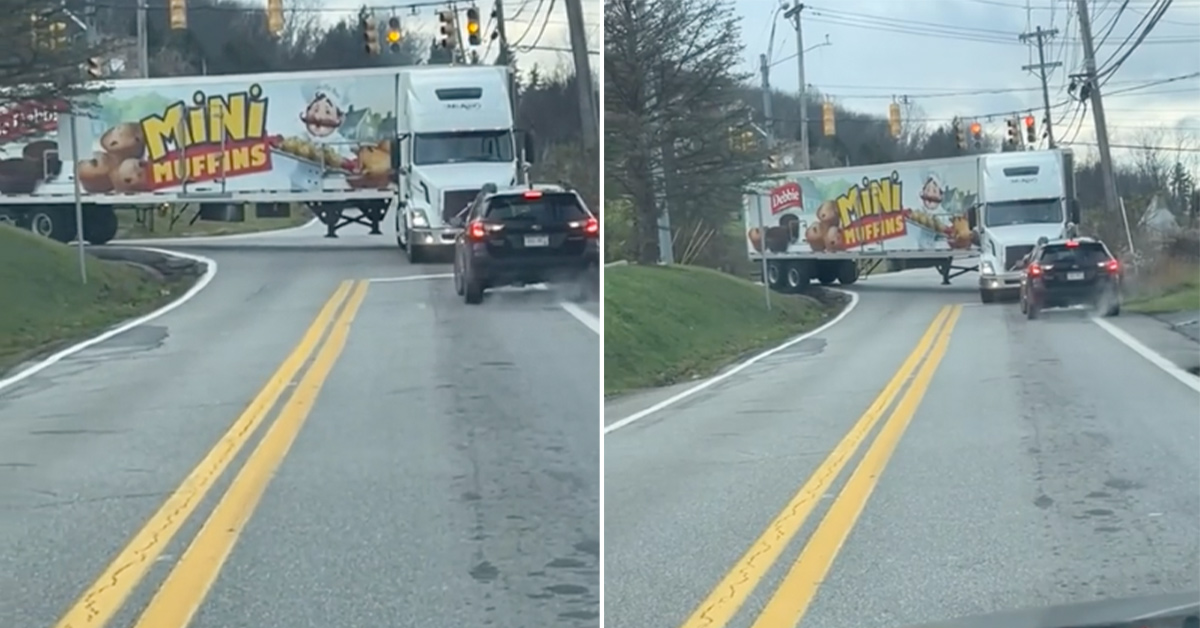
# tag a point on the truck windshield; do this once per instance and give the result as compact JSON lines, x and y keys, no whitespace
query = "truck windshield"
{"x":467,"y":146}
{"x":1042,"y":211}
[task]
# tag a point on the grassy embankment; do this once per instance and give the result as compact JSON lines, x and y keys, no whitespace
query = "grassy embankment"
{"x":44,"y":306}
{"x":663,"y":325}
{"x":1172,"y":289}
{"x":159,"y":226}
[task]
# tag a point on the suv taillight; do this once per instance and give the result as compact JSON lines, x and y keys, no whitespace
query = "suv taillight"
{"x":1112,"y":266}
{"x":475,"y":231}
{"x":592,"y":227}
{"x":1034,"y":270}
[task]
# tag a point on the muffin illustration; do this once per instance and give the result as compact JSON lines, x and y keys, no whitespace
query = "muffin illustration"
{"x":827,"y":213}
{"x":815,"y":236}
{"x":777,"y":239}
{"x":756,"y":238}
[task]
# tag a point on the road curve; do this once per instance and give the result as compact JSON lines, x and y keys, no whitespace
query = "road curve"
{"x":1020,"y":464}
{"x":426,"y":463}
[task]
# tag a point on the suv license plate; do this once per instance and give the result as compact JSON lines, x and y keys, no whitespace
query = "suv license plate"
{"x":536,"y":240}
{"x":1074,"y":276}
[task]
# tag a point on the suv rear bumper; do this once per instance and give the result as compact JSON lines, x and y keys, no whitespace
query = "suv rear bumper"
{"x":536,"y":266}
{"x":1066,"y":296}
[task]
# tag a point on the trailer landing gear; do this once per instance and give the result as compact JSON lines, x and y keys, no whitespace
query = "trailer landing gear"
{"x":334,"y":217}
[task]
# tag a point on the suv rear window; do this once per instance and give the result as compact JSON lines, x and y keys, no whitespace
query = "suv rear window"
{"x":549,"y":208}
{"x":1085,"y":253}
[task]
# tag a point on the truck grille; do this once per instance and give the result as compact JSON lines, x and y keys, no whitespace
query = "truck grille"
{"x":1013,"y":254}
{"x":454,"y":202}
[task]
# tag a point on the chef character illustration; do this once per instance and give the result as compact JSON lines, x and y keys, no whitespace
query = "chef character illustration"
{"x":931,"y":193}
{"x":323,"y":117}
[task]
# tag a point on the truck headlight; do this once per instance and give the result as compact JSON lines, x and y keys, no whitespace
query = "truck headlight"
{"x":419,"y":219}
{"x":986,"y":268}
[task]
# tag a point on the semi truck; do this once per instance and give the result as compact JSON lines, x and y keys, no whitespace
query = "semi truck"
{"x":965,"y":214}
{"x":349,"y":144}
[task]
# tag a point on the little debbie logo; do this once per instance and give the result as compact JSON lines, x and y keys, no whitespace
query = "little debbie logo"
{"x":785,"y":197}
{"x":214,"y":137}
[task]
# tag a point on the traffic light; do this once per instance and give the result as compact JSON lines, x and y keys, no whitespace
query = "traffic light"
{"x":275,"y":17}
{"x":58,"y":35}
{"x":95,"y":67}
{"x":370,"y":35}
{"x":894,"y":120}
{"x":1031,"y":130}
{"x":960,"y":136}
{"x":177,"y":10}
{"x":393,"y":34}
{"x":446,"y":18}
{"x":1014,"y":136}
{"x":827,"y":119}
{"x":977,"y":134}
{"x":473,"y":26}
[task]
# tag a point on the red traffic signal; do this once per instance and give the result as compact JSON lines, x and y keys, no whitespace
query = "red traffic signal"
{"x":1029,"y":121}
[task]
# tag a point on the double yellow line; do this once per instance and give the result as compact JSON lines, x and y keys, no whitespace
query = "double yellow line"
{"x":795,"y":593}
{"x":188,"y":583}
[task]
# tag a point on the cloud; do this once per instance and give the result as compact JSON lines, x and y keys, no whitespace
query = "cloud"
{"x":963,"y":58}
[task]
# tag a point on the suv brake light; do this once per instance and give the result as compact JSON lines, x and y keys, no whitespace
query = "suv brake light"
{"x":592,"y":227}
{"x":1072,"y":244}
{"x":1034,"y":270}
{"x":533,"y":194}
{"x":1111,"y":265}
{"x":475,"y":231}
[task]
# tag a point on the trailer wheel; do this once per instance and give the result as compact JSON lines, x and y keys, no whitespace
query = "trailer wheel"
{"x":847,"y":273}
{"x":100,"y":225}
{"x":774,"y":276}
{"x":51,"y":222}
{"x":799,"y":274}
{"x":827,"y":272}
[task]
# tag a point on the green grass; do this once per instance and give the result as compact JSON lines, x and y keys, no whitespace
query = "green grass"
{"x":160,"y":226}
{"x":664,"y":325}
{"x":1175,"y":297}
{"x":45,"y":306}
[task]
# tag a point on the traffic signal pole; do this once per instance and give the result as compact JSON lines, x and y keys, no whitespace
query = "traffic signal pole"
{"x":793,"y":14}
{"x":768,"y":114}
{"x":1041,"y":67}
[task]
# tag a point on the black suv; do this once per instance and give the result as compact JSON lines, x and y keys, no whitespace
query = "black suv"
{"x":523,"y":235}
{"x":1078,"y":271}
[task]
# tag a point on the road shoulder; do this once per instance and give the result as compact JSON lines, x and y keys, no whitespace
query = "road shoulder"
{"x":1175,"y":337}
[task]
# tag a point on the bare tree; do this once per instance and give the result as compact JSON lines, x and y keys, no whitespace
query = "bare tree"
{"x":45,"y":55}
{"x":672,"y":106}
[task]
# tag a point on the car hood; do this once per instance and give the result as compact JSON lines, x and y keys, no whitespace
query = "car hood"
{"x":1098,"y":613}
{"x":466,"y":176}
{"x":1024,"y":234}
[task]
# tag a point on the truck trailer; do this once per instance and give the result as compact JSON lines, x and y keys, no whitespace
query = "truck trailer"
{"x":960,"y":214}
{"x":349,"y":144}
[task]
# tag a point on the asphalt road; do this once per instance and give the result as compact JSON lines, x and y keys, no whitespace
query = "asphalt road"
{"x":428,"y":464}
{"x":1045,"y":463}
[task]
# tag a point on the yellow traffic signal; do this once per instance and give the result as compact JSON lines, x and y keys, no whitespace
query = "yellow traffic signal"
{"x":828,"y":121}
{"x":447,"y":29}
{"x":177,"y":10}
{"x":393,"y":34}
{"x":1031,"y":130}
{"x":370,"y":35}
{"x":58,"y":35}
{"x":894,"y":120}
{"x":473,"y":26}
{"x":960,"y":137}
{"x":1014,"y":137}
{"x":275,"y":16}
{"x":977,"y":134}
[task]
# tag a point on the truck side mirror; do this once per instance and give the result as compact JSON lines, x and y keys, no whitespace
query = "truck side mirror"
{"x":1073,"y":210}
{"x":529,"y":149}
{"x":973,"y":217}
{"x":394,"y":150}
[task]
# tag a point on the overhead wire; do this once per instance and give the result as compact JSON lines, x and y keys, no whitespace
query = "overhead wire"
{"x":545,"y":24}
{"x":1154,"y":17}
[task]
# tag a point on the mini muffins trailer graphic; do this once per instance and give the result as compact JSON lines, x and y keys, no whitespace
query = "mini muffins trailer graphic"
{"x":862,"y":215}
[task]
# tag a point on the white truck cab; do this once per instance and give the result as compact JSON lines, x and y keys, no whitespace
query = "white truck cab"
{"x":456,"y":124}
{"x":1023,"y":196}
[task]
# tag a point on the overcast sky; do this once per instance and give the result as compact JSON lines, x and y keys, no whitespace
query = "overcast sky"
{"x":525,"y":22}
{"x":962,"y":57}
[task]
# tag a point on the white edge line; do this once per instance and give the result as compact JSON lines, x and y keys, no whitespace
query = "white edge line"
{"x":1189,"y":380}
{"x":45,"y":363}
{"x":410,"y":278}
{"x":582,"y":315}
{"x":637,"y":416}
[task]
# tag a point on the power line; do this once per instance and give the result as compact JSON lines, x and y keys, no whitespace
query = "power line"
{"x":1143,"y":147}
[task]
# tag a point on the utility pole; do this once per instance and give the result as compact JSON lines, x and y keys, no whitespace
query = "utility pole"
{"x":505,"y":56}
{"x":583,"y":72}
{"x":768,"y":115}
{"x":143,"y":42}
{"x":1041,"y":67}
{"x":1101,"y":123}
{"x":793,"y":13}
